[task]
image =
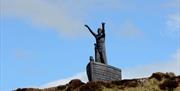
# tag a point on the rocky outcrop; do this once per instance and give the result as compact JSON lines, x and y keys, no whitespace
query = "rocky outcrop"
{"x":157,"y":82}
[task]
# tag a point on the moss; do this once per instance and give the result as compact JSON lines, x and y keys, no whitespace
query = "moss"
{"x":157,"y":82}
{"x":169,"y":85}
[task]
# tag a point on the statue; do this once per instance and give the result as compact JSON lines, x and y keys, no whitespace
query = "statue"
{"x":100,"y":50}
{"x":98,"y":69}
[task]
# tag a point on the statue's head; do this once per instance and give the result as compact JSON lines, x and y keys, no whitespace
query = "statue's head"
{"x":99,"y":30}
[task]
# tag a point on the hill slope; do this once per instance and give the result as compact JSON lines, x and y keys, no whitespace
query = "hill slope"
{"x":157,"y":82}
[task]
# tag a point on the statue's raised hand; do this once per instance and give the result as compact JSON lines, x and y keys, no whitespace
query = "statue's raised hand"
{"x":103,"y":23}
{"x":86,"y":26}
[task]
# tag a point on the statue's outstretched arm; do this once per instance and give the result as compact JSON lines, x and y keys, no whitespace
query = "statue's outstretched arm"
{"x":90,"y":30}
{"x":103,"y":27}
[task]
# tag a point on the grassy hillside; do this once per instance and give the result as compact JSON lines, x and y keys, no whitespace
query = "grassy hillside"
{"x":157,"y":82}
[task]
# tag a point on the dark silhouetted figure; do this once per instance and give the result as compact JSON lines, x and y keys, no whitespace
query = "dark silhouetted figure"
{"x":100,"y":50}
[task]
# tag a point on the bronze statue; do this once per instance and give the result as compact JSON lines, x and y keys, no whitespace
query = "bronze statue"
{"x":100,"y":50}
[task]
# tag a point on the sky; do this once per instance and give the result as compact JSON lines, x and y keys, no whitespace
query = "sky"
{"x":44,"y":43}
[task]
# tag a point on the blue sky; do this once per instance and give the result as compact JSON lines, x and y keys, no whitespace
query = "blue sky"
{"x":44,"y":42}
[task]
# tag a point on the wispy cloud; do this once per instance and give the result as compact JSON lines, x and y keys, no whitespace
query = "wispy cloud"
{"x":171,"y":4}
{"x":173,"y":22}
{"x":172,"y":18}
{"x":171,"y":65}
{"x":22,"y":54}
{"x":82,"y":76}
{"x":172,"y":28}
{"x":43,"y":13}
{"x":66,"y":17}
{"x":128,"y":29}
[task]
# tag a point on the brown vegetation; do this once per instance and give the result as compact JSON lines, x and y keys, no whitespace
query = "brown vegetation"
{"x":157,"y":82}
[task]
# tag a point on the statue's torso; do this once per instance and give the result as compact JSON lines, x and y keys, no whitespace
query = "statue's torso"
{"x":100,"y":40}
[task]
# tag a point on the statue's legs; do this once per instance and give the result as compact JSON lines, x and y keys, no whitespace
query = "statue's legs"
{"x":97,"y":55}
{"x":103,"y":57}
{"x":102,"y":53}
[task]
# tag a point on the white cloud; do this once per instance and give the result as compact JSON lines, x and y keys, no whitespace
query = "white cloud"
{"x":171,"y":65}
{"x":82,"y":76}
{"x":66,"y":17}
{"x":171,"y":4}
{"x":43,"y":13}
{"x":129,"y":30}
{"x":172,"y":18}
{"x":172,"y":28}
{"x":22,"y":54}
{"x":173,"y":22}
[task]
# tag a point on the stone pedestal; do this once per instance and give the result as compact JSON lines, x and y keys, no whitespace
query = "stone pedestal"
{"x":97,"y":71}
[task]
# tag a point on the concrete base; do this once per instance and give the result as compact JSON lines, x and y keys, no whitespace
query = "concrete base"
{"x":101,"y":72}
